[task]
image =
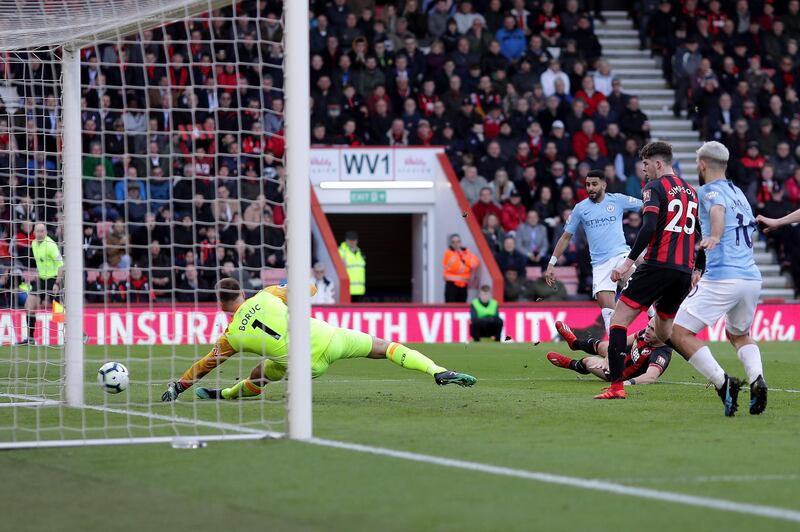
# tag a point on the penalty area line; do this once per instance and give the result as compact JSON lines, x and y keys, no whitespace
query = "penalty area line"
{"x":772,"y":512}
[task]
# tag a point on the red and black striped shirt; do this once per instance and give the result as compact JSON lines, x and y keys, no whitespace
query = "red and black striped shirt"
{"x":643,"y":355}
{"x":675,"y":203}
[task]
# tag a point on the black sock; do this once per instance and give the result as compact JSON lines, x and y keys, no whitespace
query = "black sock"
{"x":31,"y":325}
{"x":669,"y":344}
{"x":587,"y":346}
{"x":617,"y":341}
{"x":577,"y":365}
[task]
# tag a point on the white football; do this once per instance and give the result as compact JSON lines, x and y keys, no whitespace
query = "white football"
{"x":113,"y":377}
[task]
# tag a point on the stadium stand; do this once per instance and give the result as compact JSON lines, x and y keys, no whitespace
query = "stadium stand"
{"x":734,"y":69}
{"x":519,"y":93}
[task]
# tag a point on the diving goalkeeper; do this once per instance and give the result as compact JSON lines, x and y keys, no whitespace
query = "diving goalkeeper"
{"x":260,"y":325}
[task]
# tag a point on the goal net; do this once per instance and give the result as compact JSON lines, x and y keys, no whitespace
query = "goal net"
{"x":143,"y":157}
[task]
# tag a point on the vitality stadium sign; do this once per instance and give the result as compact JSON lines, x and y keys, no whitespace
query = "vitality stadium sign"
{"x":187,"y":325}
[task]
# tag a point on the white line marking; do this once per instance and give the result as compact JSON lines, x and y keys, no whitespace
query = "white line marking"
{"x":31,"y":400}
{"x":705,"y":384}
{"x":126,"y":441}
{"x":708,"y":478}
{"x":184,"y":421}
{"x":590,"y":484}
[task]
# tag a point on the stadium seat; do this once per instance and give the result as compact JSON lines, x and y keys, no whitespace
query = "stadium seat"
{"x":119,"y":275}
{"x":92,"y":275}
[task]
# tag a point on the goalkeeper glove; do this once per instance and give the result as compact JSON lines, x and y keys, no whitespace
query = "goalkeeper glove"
{"x":174,"y":389}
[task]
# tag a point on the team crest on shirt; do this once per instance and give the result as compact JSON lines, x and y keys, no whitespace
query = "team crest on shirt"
{"x":646,"y":195}
{"x":610,"y":207}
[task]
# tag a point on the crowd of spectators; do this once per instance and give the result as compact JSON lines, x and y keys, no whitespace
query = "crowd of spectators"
{"x":182,"y":125}
{"x":734,"y":67}
{"x":182,"y":143}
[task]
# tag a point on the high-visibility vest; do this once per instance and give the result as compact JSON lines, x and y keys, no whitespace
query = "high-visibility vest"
{"x":459,"y":265}
{"x":48,"y":258}
{"x":356,"y":269}
{"x":485,"y":311}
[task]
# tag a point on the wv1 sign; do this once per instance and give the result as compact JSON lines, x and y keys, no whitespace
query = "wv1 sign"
{"x":373,"y":164}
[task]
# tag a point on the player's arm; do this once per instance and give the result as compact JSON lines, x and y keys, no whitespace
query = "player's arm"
{"x":652,"y":207}
{"x":561,"y":246}
{"x":717,"y":215}
{"x":770,"y":224}
{"x":601,"y":348}
{"x":650,"y":376}
{"x":221,"y":352}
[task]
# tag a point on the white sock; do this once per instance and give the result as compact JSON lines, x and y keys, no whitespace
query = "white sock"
{"x":607,"y":313}
{"x":705,"y":364}
{"x":750,"y":356}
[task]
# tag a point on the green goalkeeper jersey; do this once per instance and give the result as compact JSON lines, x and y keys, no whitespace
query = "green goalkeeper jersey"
{"x":261,"y":325}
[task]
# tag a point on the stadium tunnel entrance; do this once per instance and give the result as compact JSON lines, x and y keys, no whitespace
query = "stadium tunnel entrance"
{"x":387,"y":243}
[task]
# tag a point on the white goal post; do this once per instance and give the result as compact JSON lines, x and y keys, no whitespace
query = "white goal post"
{"x":47,"y":393}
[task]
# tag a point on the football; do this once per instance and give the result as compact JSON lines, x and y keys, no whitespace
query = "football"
{"x":113,"y":377}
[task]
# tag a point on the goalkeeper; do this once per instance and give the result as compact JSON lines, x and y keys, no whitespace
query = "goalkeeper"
{"x":260,"y":325}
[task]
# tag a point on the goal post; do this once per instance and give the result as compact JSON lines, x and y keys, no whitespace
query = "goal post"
{"x":48,"y":393}
{"x":298,"y":140}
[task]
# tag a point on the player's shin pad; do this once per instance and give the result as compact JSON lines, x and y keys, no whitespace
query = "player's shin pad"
{"x":617,"y":340}
{"x":243,"y":388}
{"x":411,"y":359}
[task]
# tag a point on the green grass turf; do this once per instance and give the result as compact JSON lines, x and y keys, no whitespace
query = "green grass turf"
{"x":524,"y":413}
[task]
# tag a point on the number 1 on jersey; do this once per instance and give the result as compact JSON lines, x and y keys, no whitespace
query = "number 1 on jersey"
{"x":266,"y":328}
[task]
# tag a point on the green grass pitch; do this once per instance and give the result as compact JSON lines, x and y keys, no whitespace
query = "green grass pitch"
{"x":523,"y":414}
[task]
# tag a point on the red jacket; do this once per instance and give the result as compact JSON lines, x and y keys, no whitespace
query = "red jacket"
{"x":793,"y":190}
{"x":591,"y":101}
{"x":580,"y":141}
{"x":512,"y":216}
{"x":482,"y":210}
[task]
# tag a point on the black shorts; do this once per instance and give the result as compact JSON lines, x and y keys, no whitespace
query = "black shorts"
{"x":664,"y":287}
{"x":44,"y":289}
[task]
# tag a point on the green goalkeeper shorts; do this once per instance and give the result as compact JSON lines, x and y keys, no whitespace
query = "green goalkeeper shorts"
{"x":345,"y":343}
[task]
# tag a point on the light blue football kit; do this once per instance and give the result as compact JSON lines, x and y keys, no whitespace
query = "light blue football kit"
{"x":603,"y":225}
{"x":732,"y":258}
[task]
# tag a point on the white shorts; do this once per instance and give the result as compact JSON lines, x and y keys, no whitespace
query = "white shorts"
{"x":711,"y":300}
{"x":601,"y":275}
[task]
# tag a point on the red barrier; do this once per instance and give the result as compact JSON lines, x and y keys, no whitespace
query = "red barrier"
{"x":187,"y":324}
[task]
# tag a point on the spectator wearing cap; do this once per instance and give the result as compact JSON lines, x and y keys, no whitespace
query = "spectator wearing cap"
{"x":355,"y":264}
{"x":550,"y":76}
{"x":512,"y":39}
{"x":423,"y":134}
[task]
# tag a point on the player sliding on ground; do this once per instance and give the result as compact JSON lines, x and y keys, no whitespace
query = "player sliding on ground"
{"x":260,"y":325}
{"x":646,"y":358}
